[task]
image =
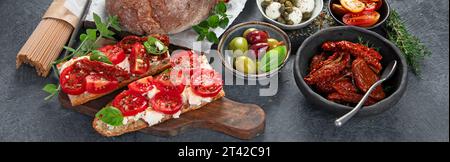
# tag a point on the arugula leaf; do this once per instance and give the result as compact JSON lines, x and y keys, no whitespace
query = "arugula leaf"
{"x":155,"y":46}
{"x":115,"y":22}
{"x":99,"y":56}
{"x":91,"y":34}
{"x":110,"y":115}
{"x":70,"y":49}
{"x":50,"y":88}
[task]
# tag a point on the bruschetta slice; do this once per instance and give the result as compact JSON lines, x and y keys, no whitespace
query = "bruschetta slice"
{"x":190,"y":85}
{"x":112,"y":67}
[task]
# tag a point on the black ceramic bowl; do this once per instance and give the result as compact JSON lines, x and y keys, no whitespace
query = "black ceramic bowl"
{"x":389,"y":51}
{"x":384,"y":11}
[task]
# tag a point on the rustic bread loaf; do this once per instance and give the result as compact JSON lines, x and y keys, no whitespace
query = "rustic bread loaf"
{"x":144,"y":17}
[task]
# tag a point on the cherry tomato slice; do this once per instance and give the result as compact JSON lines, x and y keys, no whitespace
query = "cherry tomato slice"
{"x":354,"y":6}
{"x":100,"y":83}
{"x":165,"y":83}
{"x":206,"y":83}
{"x":115,"y":54}
{"x":363,"y":19}
{"x":372,"y":5}
{"x":141,"y":86}
{"x":128,"y":42}
{"x":167,"y":102}
{"x":130,"y":103}
{"x":72,"y":81}
{"x":184,"y":60}
{"x":339,"y":10}
{"x":139,"y":61}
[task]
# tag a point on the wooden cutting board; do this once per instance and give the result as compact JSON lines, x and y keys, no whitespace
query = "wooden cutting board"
{"x":243,"y":121}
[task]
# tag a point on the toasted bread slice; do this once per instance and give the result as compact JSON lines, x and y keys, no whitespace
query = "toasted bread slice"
{"x":104,"y":129}
{"x":86,"y":97}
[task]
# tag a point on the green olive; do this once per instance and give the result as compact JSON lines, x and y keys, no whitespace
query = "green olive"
{"x":245,"y":65}
{"x":246,"y":32}
{"x":238,"y":44}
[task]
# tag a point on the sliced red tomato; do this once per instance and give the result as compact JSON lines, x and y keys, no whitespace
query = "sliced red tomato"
{"x":130,"y":103}
{"x":185,"y":60}
{"x":363,"y":19}
{"x":128,"y":42}
{"x":100,"y":83}
{"x":165,"y":83}
{"x":139,"y":61}
{"x":339,"y":10}
{"x":167,"y":102}
{"x":372,"y":5}
{"x":354,"y":6}
{"x":72,"y":81}
{"x":115,"y":54}
{"x":141,"y":86}
{"x":206,"y":83}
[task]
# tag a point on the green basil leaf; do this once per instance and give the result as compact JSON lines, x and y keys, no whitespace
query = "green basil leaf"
{"x":211,"y":36}
{"x":221,"y":7}
{"x":110,"y":115}
{"x":50,"y":88}
{"x":224,"y":22}
{"x":201,"y":37}
{"x":204,"y":24}
{"x":273,"y":59}
{"x":200,"y":30}
{"x":100,"y":56}
{"x":155,"y":46}
{"x":213,"y":21}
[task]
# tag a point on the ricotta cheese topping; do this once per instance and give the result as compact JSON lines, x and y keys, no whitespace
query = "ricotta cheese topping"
{"x":195,"y":100}
{"x":125,"y":64}
{"x":153,"y":92}
{"x":152,"y":117}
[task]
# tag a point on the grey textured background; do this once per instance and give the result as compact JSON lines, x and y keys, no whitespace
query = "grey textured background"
{"x":421,"y":115}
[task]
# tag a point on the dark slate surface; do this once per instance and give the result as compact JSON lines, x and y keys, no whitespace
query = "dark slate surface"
{"x":421,"y":115}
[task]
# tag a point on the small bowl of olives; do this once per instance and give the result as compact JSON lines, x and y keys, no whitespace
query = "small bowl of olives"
{"x":254,"y":50}
{"x":290,"y":14}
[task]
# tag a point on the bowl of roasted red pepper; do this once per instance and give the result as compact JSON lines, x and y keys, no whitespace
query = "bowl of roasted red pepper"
{"x":367,"y":14}
{"x":336,"y":66}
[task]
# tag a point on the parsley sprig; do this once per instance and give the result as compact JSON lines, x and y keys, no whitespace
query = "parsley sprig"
{"x":89,"y":41}
{"x":219,"y":18}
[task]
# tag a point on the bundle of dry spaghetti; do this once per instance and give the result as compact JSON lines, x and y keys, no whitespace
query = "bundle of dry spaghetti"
{"x":48,"y":39}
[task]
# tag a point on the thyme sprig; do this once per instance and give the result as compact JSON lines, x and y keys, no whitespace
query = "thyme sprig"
{"x":413,"y":49}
